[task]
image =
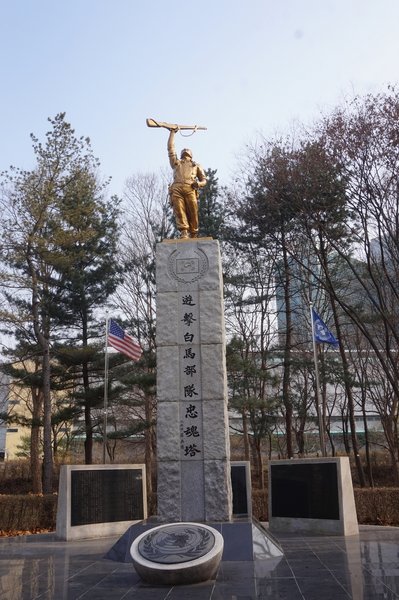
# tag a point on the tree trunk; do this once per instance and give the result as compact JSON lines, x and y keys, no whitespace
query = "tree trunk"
{"x":47,"y":443}
{"x":345,"y":435}
{"x":330,"y":438}
{"x":88,"y":444}
{"x":300,"y":440}
{"x":345,"y":364}
{"x":349,"y":395}
{"x":287,"y":352}
{"x":367,"y":442}
{"x":394,"y":469}
{"x":391,"y":437}
{"x":258,"y":463}
{"x":41,"y":328}
{"x":245,"y":435}
{"x":323,"y":393}
{"x":35,"y":462}
{"x":149,"y":455}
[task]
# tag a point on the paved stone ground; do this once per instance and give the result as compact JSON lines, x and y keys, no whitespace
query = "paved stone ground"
{"x":322,"y":568}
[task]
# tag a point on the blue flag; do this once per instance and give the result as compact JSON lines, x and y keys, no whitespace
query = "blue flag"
{"x":321,"y":332}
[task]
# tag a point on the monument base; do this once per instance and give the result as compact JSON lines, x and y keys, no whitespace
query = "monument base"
{"x":244,"y":540}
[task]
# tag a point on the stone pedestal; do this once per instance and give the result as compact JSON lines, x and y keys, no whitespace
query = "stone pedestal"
{"x":312,"y":495}
{"x":192,"y":423}
{"x":99,"y":500}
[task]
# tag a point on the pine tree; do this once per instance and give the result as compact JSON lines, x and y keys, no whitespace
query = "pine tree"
{"x":210,"y":208}
{"x":88,"y":272}
{"x":50,"y":239}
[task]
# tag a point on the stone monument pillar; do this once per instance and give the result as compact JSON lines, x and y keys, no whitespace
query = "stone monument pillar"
{"x":194,"y":481}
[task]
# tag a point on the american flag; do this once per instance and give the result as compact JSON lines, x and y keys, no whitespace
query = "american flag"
{"x":122,"y":342}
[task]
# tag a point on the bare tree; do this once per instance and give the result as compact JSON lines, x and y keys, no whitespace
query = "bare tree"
{"x":146,"y":221}
{"x":362,"y":137}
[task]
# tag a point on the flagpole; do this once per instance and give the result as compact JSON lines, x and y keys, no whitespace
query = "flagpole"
{"x":318,"y":395}
{"x":105,"y":409}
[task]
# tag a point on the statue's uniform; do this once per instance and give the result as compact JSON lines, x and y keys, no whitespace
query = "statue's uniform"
{"x":184,"y":196}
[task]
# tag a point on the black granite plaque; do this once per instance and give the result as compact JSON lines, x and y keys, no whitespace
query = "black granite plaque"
{"x":307,"y":491}
{"x":239,"y":489}
{"x":106,"y":496}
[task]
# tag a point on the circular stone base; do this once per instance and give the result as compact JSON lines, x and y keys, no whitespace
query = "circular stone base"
{"x":177,"y":553}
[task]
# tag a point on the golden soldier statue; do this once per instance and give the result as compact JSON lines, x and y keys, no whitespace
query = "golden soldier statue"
{"x":188,"y":178}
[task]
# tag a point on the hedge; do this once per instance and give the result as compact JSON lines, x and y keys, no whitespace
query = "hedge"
{"x":27,"y":512}
{"x":21,"y":513}
{"x":377,"y":506}
{"x":374,"y":506}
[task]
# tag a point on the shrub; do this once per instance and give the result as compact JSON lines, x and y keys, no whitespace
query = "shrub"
{"x":27,"y":512}
{"x":377,"y":506}
{"x":22,"y":513}
{"x":374,"y":506}
{"x":259,"y":504}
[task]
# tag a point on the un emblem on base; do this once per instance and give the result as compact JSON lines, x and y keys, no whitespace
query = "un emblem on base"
{"x":177,"y":553}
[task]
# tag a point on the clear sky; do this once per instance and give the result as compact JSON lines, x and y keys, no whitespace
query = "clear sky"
{"x":236,"y":66}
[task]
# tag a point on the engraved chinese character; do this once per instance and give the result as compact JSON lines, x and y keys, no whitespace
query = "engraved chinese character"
{"x":191,"y":431}
{"x":189,"y":391}
{"x":188,"y":337}
{"x":190,"y":370}
{"x":188,"y":300}
{"x":191,"y":412}
{"x":191,"y":450}
{"x":189,"y":353}
{"x":188,"y":319}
